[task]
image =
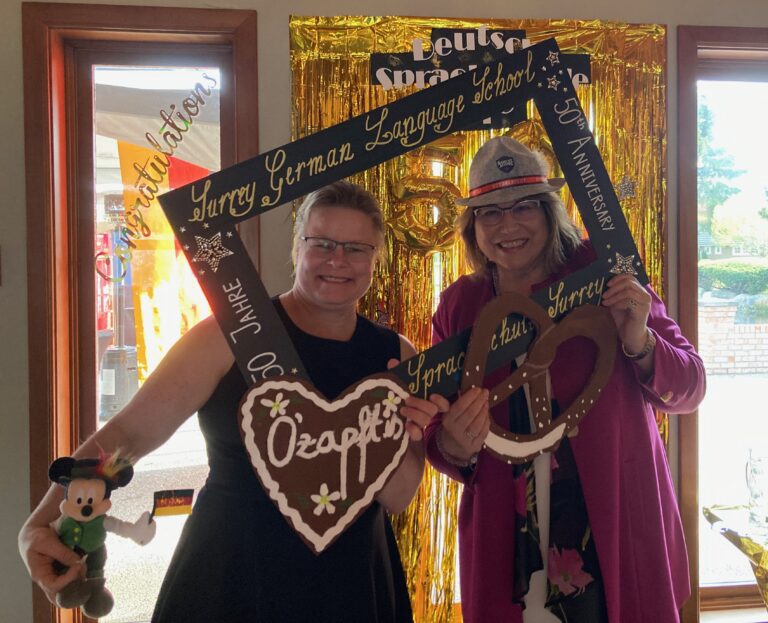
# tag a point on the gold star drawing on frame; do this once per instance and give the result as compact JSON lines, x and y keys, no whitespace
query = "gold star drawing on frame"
{"x":553,"y":58}
{"x":211,"y":251}
{"x":624,"y":265}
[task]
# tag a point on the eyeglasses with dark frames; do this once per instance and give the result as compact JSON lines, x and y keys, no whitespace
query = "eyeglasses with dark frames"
{"x":521,"y":211}
{"x":328,"y":246}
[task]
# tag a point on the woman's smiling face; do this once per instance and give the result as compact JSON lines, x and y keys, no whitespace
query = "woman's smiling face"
{"x":517,"y":242}
{"x":338,"y":277}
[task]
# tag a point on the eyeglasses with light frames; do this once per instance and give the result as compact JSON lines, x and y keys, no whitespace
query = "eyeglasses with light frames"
{"x":326,"y":246}
{"x":521,"y":211}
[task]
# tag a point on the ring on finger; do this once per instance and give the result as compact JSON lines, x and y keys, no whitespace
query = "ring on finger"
{"x":632,"y":303}
{"x":471,"y":434}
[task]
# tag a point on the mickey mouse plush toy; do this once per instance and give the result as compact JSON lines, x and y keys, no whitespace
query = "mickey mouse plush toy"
{"x":84,"y":524}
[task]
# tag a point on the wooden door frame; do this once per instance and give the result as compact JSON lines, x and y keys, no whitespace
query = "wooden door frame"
{"x":81,"y":57}
{"x":691,"y":42}
{"x":48,"y":33}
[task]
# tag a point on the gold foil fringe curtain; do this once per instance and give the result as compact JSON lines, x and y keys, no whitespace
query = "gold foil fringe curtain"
{"x":626,"y":106}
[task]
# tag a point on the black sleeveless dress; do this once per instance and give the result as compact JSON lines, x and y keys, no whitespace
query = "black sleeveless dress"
{"x":239,"y":561}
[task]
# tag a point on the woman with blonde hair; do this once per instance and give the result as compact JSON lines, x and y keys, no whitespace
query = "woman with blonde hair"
{"x":238,"y":560}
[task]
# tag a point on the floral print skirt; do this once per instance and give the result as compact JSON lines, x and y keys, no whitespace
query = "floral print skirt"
{"x":574,"y":584}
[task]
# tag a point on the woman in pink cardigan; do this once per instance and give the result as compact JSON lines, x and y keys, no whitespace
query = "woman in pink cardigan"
{"x":590,"y":532}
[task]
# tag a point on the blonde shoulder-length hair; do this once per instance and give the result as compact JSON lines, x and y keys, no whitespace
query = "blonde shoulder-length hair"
{"x":564,"y":237}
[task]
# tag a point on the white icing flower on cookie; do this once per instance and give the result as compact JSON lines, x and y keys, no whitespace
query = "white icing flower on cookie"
{"x":391,"y":401}
{"x":276,"y":406}
{"x":324,"y":499}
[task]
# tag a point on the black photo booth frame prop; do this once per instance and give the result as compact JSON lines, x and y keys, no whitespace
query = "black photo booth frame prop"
{"x":203,"y":214}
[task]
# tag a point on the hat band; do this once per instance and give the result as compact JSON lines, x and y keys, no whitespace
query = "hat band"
{"x":512,"y":181}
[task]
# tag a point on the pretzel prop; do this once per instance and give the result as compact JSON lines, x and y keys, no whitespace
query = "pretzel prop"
{"x":589,"y":321}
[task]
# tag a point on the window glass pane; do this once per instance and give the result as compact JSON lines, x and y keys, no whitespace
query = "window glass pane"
{"x":155,"y":129}
{"x":733,"y":319}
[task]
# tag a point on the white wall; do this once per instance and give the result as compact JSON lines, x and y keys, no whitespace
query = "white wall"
{"x":274,"y":89}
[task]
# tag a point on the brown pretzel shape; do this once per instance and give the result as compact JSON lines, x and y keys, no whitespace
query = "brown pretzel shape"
{"x":589,"y":321}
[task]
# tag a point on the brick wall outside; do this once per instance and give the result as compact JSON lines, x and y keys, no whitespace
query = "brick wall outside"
{"x":727,"y":347}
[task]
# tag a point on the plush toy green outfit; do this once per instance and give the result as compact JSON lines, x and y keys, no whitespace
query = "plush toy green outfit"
{"x":84,"y":524}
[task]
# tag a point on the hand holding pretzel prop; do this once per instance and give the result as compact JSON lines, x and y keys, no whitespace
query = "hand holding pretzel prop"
{"x":589,"y":321}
